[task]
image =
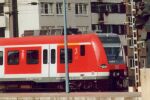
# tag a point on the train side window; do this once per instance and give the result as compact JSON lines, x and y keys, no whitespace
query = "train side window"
{"x":13,"y":57}
{"x":32,"y":57}
{"x":82,"y":50}
{"x":1,"y":57}
{"x":45,"y":56}
{"x":53,"y":56}
{"x":62,"y":56}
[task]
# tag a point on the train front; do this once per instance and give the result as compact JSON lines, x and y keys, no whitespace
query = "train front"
{"x":116,"y":59}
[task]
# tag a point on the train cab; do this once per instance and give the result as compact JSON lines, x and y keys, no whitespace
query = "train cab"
{"x":116,"y":58}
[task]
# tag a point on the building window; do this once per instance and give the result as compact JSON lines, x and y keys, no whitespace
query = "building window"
{"x":47,"y":27}
{"x":143,"y":63}
{"x":98,"y":7}
{"x":1,"y":9}
{"x":46,"y":30}
{"x":1,"y":57}
{"x":131,"y":62}
{"x":118,"y":29}
{"x":59,"y":8}
{"x":2,"y":32}
{"x":114,"y":8}
{"x":13,"y":57}
{"x":122,"y":8}
{"x":46,"y":8}
{"x":83,"y":29}
{"x":81,"y":8}
{"x":143,"y":44}
{"x":109,"y":29}
{"x":102,"y":8}
{"x":130,"y":42}
{"x":69,"y":6}
{"x":32,"y":57}
{"x":108,"y":8}
{"x":45,"y":56}
{"x":96,"y":27}
{"x":62,"y":56}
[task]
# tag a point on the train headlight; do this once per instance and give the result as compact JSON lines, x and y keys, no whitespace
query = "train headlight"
{"x":103,"y":66}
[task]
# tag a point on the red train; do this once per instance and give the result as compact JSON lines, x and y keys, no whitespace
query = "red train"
{"x":40,"y":60}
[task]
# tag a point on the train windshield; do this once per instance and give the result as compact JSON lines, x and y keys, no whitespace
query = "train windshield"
{"x":113,"y":49}
{"x":114,"y":55}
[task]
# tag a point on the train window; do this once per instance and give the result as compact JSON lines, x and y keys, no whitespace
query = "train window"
{"x":32,"y":56}
{"x":53,"y":56}
{"x":62,"y":56}
{"x":82,"y":50}
{"x":45,"y":56}
{"x":13,"y":57}
{"x":1,"y":57}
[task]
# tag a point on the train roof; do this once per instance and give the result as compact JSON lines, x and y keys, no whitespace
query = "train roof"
{"x":107,"y":34}
{"x":46,"y":39}
{"x":109,"y":38}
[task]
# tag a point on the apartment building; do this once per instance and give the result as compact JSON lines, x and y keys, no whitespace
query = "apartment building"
{"x":48,"y":14}
{"x":111,"y":16}
{"x":107,"y":16}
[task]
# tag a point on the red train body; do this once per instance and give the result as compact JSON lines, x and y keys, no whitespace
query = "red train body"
{"x":41,"y":59}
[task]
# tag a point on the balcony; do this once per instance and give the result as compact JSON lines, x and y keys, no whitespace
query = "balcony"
{"x":2,"y":21}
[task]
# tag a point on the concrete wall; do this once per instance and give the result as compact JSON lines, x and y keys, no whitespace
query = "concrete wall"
{"x":72,"y":96}
{"x":28,"y":16}
{"x":145,"y":83}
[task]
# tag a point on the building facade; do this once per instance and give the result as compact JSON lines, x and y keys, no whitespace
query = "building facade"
{"x":86,"y":15}
{"x":48,"y":14}
{"x":107,"y":16}
{"x":5,"y":29}
{"x":110,"y":15}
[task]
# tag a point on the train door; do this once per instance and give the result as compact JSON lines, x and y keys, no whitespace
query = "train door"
{"x":53,"y":60}
{"x":1,"y":62}
{"x":45,"y":60}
